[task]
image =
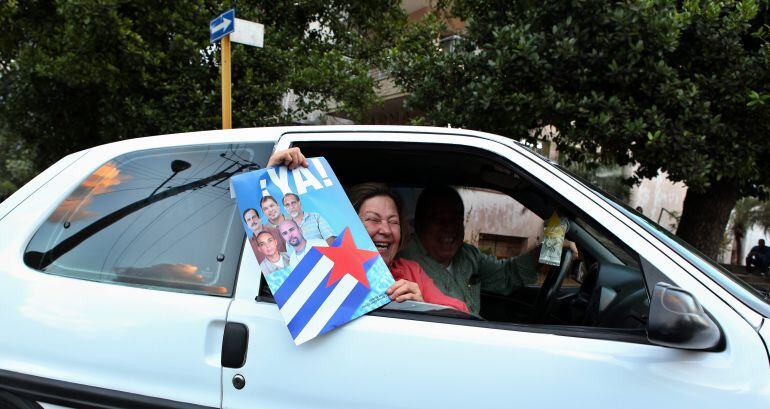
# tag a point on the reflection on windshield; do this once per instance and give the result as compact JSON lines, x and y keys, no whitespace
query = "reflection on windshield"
{"x":178,"y":275}
{"x":161,"y":218}
{"x":76,"y":206}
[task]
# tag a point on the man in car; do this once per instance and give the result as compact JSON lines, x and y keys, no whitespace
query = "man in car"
{"x":254,"y":223}
{"x":314,"y":226}
{"x":274,"y":260}
{"x":292,"y":234}
{"x":459,"y":269}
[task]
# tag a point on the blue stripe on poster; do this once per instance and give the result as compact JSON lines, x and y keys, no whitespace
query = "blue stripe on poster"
{"x":309,"y":309}
{"x":351,"y":304}
{"x":296,"y":277}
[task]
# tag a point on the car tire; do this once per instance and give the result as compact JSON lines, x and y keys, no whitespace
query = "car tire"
{"x":9,"y":400}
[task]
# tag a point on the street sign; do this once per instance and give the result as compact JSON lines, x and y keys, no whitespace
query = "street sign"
{"x":222,"y":25}
{"x":248,"y":32}
{"x":227,"y":27}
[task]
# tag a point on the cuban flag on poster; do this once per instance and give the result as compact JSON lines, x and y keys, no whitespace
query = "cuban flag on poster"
{"x":312,"y":249}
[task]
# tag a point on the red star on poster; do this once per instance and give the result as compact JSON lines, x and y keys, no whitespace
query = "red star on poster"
{"x":348,"y":259}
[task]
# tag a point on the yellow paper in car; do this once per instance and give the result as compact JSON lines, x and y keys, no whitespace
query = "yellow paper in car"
{"x":553,"y":239}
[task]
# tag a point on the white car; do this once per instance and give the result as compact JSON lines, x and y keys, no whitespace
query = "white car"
{"x":125,"y":281}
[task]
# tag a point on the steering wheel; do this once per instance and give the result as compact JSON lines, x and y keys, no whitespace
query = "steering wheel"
{"x":551,"y":286}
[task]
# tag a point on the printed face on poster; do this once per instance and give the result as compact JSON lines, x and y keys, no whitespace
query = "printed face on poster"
{"x":312,"y":249}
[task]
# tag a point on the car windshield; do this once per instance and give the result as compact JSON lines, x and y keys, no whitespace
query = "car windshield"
{"x":735,"y":285}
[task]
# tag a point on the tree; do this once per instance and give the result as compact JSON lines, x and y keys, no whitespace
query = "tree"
{"x":78,"y":74}
{"x":15,"y":168}
{"x":743,"y":218}
{"x":682,"y":90}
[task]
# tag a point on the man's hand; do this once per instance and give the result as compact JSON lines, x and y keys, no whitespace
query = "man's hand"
{"x":572,"y":246}
{"x":403,"y":290}
{"x":291,"y":157}
{"x":567,"y":244}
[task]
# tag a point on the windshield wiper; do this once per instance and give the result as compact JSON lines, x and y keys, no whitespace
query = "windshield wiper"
{"x":41,"y":260}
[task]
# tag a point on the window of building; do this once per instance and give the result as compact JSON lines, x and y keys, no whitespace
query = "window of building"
{"x":501,"y":246}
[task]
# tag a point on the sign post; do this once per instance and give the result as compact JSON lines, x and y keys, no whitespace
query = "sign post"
{"x":244,"y":32}
{"x":220,"y":28}
{"x":227,"y":112}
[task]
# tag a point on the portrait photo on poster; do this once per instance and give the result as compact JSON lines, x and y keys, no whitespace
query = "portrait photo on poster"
{"x":315,"y":254}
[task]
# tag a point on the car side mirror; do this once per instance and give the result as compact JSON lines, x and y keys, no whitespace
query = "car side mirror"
{"x":678,"y":320}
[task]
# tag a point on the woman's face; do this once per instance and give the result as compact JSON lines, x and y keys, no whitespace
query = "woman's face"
{"x":380,"y":217}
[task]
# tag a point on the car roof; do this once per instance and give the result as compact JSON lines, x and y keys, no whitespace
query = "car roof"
{"x":242,"y":135}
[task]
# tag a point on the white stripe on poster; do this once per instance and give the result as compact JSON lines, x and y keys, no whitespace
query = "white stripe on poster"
{"x":327,"y":309}
{"x":305,"y":289}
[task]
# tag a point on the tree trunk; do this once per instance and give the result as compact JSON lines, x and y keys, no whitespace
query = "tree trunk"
{"x":705,"y":216}
{"x":735,"y":256}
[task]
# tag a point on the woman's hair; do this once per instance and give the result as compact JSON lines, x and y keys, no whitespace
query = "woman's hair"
{"x":362,"y":192}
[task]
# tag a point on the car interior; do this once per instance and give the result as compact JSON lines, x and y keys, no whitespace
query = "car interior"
{"x":602,"y":288}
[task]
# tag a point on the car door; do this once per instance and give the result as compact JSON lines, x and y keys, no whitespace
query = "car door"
{"x":117,"y":279}
{"x":393,"y":359}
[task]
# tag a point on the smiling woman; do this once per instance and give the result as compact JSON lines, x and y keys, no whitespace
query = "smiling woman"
{"x":380,"y":211}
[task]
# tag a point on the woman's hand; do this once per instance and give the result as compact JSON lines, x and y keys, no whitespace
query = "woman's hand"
{"x":291,"y":157}
{"x":403,"y":290}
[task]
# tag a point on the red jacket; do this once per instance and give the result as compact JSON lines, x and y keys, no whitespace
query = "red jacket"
{"x":411,"y":271}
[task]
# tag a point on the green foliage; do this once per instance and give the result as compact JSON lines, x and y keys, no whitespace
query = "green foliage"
{"x":745,"y":215}
{"x":15,"y":168}
{"x":750,"y":211}
{"x":609,"y":178}
{"x":74,"y":74}
{"x":632,"y":82}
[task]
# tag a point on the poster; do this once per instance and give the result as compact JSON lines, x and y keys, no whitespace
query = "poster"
{"x":313,"y":250}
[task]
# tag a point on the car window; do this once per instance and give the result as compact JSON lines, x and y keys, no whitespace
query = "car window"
{"x":755,"y":296}
{"x":160,"y":218}
{"x":623,"y":255}
{"x":505,"y":209}
{"x":603,"y":288}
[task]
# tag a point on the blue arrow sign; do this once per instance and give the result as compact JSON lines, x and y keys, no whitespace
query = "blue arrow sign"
{"x":222,"y":25}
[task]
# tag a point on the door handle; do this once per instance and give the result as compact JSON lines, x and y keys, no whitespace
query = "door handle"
{"x":235,"y":342}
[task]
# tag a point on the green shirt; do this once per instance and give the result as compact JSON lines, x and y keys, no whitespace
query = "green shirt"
{"x":473,"y":271}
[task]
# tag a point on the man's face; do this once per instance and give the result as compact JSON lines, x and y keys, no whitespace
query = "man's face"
{"x":266,"y":244}
{"x":252,"y":220}
{"x":761,"y":243}
{"x":271,"y":210}
{"x":442,"y":232}
{"x":291,"y":233}
{"x":292,"y":206}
